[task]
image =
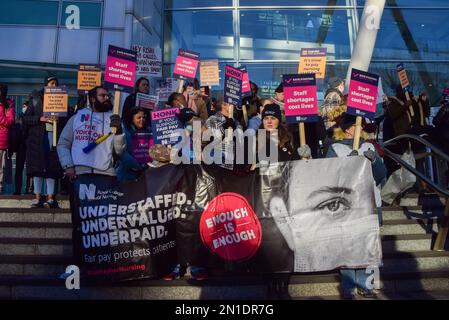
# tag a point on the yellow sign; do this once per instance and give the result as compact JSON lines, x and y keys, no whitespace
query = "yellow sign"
{"x":56,"y":101}
{"x":209,"y":73}
{"x":89,"y":76}
{"x":313,"y":61}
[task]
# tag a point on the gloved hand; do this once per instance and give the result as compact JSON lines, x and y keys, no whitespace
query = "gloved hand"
{"x":116,"y":122}
{"x":229,"y":124}
{"x":370,"y":155}
{"x":353,"y":153}
{"x":185,"y":115}
{"x":305,"y":152}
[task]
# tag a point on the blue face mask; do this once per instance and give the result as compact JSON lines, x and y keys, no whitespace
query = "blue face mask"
{"x":189,"y":128}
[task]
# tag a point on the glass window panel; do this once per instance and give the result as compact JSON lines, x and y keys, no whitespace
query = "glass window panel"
{"x":412,"y":3}
{"x":115,"y":38}
{"x":114,"y":13}
{"x":293,"y":3}
{"x":208,"y":32}
{"x":413,"y":34}
{"x":169,"y":4}
{"x":280,"y":34}
{"x":90,"y":13}
{"x":69,"y":43}
{"x":29,"y":44}
{"x":29,"y":12}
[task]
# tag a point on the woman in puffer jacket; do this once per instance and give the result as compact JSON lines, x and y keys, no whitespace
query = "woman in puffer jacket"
{"x":7,"y":116}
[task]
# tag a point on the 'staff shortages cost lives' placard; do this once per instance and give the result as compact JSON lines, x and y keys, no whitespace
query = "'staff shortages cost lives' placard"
{"x":362,"y":97}
{"x":300,"y":98}
{"x":186,"y":65}
{"x":120,"y":69}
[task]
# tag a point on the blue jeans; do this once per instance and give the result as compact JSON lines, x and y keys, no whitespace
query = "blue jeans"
{"x":353,"y":278}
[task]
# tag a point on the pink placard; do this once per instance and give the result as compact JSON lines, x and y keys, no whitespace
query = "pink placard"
{"x":362,"y":96}
{"x":245,"y":84}
{"x":185,"y":67}
{"x":140,"y":147}
{"x":300,"y":101}
{"x":119,"y":71}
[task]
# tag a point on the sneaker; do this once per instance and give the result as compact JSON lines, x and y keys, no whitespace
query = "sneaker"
{"x":37,"y":204}
{"x":349,"y":294}
{"x":172,"y":276}
{"x":51,"y":204}
{"x":366,"y":293}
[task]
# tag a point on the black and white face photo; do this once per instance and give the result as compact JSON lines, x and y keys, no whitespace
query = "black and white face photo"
{"x":326,"y":213}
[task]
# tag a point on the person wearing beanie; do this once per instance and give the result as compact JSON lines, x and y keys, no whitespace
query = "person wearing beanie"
{"x":272,"y":122}
{"x":41,"y":158}
{"x":354,"y":280}
{"x":334,"y":101}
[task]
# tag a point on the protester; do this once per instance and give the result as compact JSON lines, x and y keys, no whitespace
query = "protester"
{"x":7,"y":118}
{"x":195,"y":101}
{"x":21,"y":152}
{"x":255,"y":121}
{"x":441,"y":132}
{"x":251,"y":103}
{"x":142,"y":86}
{"x":272,"y":122}
{"x":334,"y":101}
{"x":134,"y":162}
{"x":41,"y":157}
{"x":220,"y":122}
{"x":353,"y":279}
{"x":99,"y":121}
{"x":278,"y":97}
{"x":205,"y":95}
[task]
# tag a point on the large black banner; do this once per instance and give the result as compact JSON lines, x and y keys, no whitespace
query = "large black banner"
{"x":301,"y":216}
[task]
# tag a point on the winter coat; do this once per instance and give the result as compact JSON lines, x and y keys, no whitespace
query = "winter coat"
{"x":41,"y":158}
{"x":7,"y":118}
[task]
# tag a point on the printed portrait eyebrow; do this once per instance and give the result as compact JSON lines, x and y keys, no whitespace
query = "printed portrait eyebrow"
{"x":334,"y":190}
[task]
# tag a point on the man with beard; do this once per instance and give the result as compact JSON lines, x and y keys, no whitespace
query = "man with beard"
{"x":84,"y":128}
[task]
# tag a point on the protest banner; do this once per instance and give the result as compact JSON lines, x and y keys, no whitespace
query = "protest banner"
{"x":185,"y":67}
{"x":313,"y":60}
{"x":166,"y":87}
{"x":405,"y":84}
{"x":140,"y":146}
{"x":89,"y":77}
{"x":120,"y":73}
{"x":125,"y":231}
{"x":56,"y":104}
{"x":362,"y":99}
{"x":209,"y":73}
{"x":233,"y":86}
{"x":146,"y":101}
{"x":301,"y":103}
{"x":149,"y":61}
{"x":164,"y":124}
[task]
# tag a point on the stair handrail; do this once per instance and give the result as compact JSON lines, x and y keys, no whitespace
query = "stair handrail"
{"x":444,"y":225}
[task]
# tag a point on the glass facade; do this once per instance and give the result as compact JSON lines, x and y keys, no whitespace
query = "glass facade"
{"x":41,"y":39}
{"x":267,"y":36}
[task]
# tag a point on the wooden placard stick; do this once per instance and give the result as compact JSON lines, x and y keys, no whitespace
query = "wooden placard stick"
{"x":116,"y":109}
{"x":245,"y":114}
{"x":357,"y":133}
{"x":302,"y":134}
{"x":421,"y":114}
{"x":55,"y":132}
{"x":180,"y":86}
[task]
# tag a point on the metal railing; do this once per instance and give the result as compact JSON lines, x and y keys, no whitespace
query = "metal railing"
{"x":444,"y":192}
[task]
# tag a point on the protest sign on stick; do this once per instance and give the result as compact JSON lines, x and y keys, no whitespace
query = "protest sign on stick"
{"x":301,"y":103}
{"x":120,"y":73}
{"x":55,"y":105}
{"x":313,"y":60}
{"x":362,"y":99}
{"x":185,"y":67}
{"x":405,"y":84}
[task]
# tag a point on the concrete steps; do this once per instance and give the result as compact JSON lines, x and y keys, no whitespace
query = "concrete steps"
{"x":24,"y":201}
{"x":36,"y":247}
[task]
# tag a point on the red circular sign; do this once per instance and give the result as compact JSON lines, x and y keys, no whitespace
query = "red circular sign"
{"x":230,"y":228}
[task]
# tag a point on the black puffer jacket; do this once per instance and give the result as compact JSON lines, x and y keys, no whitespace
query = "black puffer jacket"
{"x":41,"y":158}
